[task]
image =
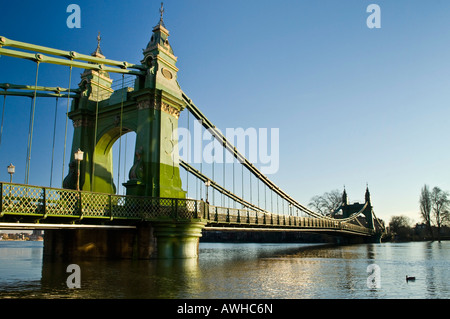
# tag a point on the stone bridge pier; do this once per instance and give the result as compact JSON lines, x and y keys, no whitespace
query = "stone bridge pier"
{"x":149,"y":240}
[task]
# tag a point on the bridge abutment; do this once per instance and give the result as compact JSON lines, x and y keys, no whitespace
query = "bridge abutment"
{"x":163,"y":240}
{"x":375,"y":239}
{"x":100,"y":243}
{"x":179,"y":239}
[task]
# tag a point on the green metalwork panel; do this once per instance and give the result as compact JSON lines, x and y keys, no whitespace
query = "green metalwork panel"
{"x":61,"y":203}
{"x":22,"y":200}
{"x":18,"y":199}
{"x":41,"y":202}
{"x":95,"y":205}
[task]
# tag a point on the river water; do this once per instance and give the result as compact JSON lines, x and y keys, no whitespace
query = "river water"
{"x":232,"y":271}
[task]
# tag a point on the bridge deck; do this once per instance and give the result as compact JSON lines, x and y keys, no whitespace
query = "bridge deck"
{"x":22,"y":206}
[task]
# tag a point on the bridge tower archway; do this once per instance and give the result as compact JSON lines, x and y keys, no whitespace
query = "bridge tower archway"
{"x":150,"y":108}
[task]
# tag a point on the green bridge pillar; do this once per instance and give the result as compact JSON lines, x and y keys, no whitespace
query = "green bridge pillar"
{"x":151,"y":109}
{"x":178,"y":239}
{"x":162,"y":239}
{"x":158,"y":105}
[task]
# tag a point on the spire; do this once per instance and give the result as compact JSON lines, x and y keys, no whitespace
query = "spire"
{"x":161,"y":12}
{"x":161,"y":25}
{"x":159,"y":39}
{"x":98,"y":52}
{"x":367,"y":193}
{"x":97,"y":80}
{"x":344,"y":197}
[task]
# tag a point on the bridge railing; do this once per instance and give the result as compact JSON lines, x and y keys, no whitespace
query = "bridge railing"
{"x":224,"y":216}
{"x":43,"y":202}
{"x":33,"y":202}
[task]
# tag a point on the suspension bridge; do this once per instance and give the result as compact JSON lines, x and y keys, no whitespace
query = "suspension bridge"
{"x":155,"y":215}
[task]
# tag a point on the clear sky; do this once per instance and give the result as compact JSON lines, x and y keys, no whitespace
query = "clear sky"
{"x":353,"y":105}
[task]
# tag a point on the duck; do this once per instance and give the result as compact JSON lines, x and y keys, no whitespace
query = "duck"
{"x":410,"y":278}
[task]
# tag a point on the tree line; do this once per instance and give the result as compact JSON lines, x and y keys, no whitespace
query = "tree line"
{"x":434,"y":209}
{"x":434,"y":204}
{"x":434,"y":213}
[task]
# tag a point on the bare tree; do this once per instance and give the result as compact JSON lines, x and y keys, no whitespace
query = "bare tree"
{"x":326,"y":204}
{"x":440,"y":204}
{"x":400,"y":226}
{"x":425,"y":208}
{"x":398,"y":222}
{"x":316,"y":204}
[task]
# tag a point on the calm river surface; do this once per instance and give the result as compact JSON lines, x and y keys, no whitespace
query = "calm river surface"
{"x":281,"y":271}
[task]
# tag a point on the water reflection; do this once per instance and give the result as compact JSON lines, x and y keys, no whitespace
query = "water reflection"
{"x":124,"y":278}
{"x":236,"y":271}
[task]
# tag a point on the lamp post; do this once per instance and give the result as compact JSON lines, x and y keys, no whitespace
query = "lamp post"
{"x":11,"y":171}
{"x":207,"y":184}
{"x":78,"y":158}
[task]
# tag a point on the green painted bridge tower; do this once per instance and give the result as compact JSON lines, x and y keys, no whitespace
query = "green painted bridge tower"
{"x":151,"y":109}
{"x":365,"y":208}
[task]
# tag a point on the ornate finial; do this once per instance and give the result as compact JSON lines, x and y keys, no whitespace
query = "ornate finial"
{"x":161,"y":11}
{"x":98,"y":51}
{"x":99,"y":38}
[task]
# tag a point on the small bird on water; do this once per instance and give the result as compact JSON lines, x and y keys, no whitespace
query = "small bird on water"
{"x":410,"y":278}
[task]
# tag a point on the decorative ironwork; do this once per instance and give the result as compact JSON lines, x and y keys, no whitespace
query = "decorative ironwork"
{"x":64,"y":203}
{"x":42,"y":202}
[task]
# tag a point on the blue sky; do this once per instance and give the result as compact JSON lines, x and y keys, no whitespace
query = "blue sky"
{"x":353,"y":105}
